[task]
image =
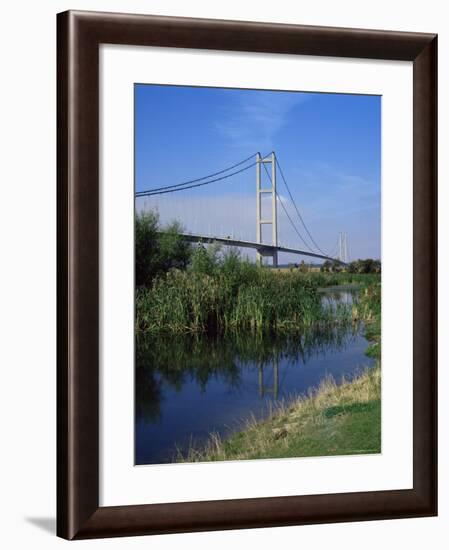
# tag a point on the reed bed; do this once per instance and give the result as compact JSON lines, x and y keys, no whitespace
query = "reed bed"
{"x":245,"y":298}
{"x":368,"y":309}
{"x":324,"y":279}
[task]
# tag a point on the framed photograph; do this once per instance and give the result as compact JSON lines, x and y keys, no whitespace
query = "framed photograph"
{"x":246,"y":274}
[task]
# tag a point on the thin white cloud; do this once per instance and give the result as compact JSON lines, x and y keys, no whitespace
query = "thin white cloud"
{"x":252,"y":121}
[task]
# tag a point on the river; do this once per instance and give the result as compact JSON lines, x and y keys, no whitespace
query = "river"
{"x":189,"y":386}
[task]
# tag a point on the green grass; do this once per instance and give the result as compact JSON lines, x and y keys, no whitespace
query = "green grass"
{"x":336,"y":419}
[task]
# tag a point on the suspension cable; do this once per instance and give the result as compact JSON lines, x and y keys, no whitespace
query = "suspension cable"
{"x":286,"y":212}
{"x":145,"y":192}
{"x":296,"y":207}
{"x":334,"y":250}
{"x":150,"y":193}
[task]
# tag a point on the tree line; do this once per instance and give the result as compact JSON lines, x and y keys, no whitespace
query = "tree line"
{"x":357,"y":266}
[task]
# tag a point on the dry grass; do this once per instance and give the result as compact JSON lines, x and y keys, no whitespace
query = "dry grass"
{"x":334,"y":419}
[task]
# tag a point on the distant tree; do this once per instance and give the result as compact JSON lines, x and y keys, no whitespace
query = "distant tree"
{"x":368,"y":266}
{"x":158,"y":250}
{"x":326,"y":266}
{"x":231,"y":261}
{"x":174,"y":251}
{"x":303,"y":267}
{"x":337,"y":267}
{"x":353,"y":267}
{"x":204,"y":260}
{"x":146,"y":247}
{"x":365,"y":266}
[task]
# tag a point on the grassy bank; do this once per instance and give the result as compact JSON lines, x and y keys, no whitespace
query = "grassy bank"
{"x":335,"y":419}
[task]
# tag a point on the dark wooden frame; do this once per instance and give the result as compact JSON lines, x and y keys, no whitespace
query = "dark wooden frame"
{"x":79,"y":36}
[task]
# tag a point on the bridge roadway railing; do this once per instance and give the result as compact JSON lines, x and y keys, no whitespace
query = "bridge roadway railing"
{"x":262,"y":248}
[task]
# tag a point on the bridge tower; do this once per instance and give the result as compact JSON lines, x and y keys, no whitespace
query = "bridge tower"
{"x":274,"y":389}
{"x":260,"y":221}
{"x":343,"y":247}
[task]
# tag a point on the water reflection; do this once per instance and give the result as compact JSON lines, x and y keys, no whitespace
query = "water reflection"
{"x":338,"y":297}
{"x":188,"y":386}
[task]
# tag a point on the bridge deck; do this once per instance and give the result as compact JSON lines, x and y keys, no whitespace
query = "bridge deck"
{"x":262,"y":248}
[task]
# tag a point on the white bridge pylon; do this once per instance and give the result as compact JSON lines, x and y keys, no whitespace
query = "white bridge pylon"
{"x":262,"y":191}
{"x":266,"y":242}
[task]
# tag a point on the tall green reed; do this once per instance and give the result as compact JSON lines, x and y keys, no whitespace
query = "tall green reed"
{"x":223,"y":299}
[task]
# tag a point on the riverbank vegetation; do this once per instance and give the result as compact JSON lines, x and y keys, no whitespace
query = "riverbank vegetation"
{"x":342,"y":278}
{"x":368,"y":308}
{"x":231,"y":294}
{"x":181,"y":288}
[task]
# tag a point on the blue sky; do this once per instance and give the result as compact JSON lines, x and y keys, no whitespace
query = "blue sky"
{"x":328,"y":146}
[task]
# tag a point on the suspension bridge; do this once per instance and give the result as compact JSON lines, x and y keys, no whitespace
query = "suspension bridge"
{"x":225,"y":218}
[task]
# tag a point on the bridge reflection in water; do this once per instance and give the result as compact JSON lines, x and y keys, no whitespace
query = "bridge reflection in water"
{"x":274,"y":388}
